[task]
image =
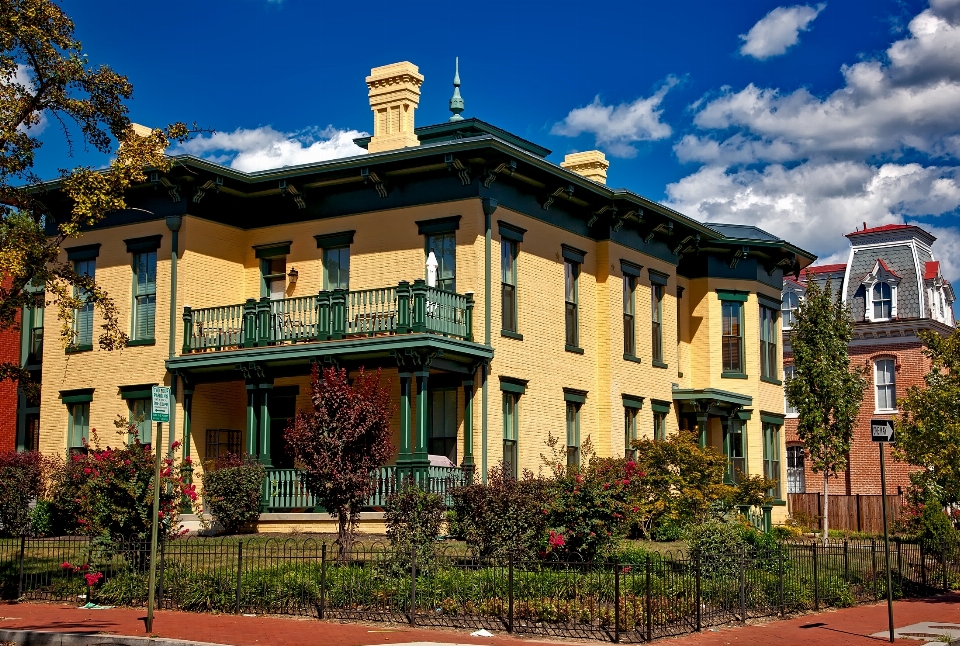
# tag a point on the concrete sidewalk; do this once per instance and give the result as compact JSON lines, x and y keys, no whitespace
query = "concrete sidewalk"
{"x":848,"y":626}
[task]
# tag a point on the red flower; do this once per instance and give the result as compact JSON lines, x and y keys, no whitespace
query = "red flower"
{"x":555,"y":540}
{"x":66,"y":565}
{"x":93,"y":578}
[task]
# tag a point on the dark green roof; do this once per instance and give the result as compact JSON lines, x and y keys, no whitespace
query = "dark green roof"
{"x":463,"y":129}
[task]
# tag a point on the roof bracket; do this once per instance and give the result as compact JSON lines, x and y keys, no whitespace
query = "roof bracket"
{"x":508,"y":167}
{"x":291,"y":190}
{"x":682,"y":248}
{"x":173,"y":190}
{"x":378,"y":184}
{"x":215,"y":184}
{"x":612,"y":210}
{"x":738,"y":253}
{"x":563,"y":190}
{"x":462,"y":170}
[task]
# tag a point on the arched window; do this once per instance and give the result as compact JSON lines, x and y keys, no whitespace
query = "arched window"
{"x":788,"y":307}
{"x":882,"y":301}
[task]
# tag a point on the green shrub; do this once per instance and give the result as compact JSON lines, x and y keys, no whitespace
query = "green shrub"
{"x":23,"y":479}
{"x":414,"y":518}
{"x":666,"y":530}
{"x":936,"y":530}
{"x":232,"y":490}
{"x":42,"y":518}
{"x":720,"y":546}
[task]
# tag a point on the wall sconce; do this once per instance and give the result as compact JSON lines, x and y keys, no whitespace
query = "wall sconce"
{"x":293,"y":275}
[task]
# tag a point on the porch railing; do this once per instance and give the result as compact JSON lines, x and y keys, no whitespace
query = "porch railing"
{"x":329,"y":315}
{"x":284,"y":490}
{"x":759,"y":516}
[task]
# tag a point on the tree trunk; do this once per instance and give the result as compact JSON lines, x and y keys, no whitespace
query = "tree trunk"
{"x":344,"y":532}
{"x":826,"y":507}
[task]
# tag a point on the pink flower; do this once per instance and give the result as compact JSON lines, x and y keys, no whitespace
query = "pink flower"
{"x":86,"y":470}
{"x":555,"y":540}
{"x":187,"y":460}
{"x":175,"y":445}
{"x":66,"y":565}
{"x":626,"y":569}
{"x":93,"y":578}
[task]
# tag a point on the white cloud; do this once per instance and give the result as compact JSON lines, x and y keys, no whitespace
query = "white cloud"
{"x":263,"y":148}
{"x":778,"y":31}
{"x":21,"y":77}
{"x":616,"y":127}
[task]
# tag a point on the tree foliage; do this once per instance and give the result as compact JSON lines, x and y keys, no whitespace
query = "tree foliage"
{"x":23,"y":479}
{"x":339,"y":443}
{"x":231,"y":490}
{"x":928,"y":428}
{"x":46,"y":80}
{"x":824,"y":389}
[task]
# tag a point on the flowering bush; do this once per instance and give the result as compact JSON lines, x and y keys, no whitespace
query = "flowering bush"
{"x":232,"y":489}
{"x":414,"y":518}
{"x":23,"y":478}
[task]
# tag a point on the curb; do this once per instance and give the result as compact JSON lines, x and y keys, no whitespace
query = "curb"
{"x":50,"y":638}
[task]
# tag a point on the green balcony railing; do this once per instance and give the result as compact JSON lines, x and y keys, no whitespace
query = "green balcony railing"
{"x":329,"y":315}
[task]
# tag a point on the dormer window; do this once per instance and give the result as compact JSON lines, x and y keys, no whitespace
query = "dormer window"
{"x":882,"y":301}
{"x":880,"y":293}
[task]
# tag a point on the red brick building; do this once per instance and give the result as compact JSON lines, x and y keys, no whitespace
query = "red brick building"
{"x":9,"y":353}
{"x":894,"y":288}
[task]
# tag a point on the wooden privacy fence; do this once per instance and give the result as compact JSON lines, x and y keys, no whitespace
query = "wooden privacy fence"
{"x":856,"y":512}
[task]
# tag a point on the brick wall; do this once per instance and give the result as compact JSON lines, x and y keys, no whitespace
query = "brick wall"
{"x":9,"y":353}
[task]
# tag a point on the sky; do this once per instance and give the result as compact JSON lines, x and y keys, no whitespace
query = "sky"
{"x":806,"y":120}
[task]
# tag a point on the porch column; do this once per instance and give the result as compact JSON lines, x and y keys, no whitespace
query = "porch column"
{"x":265,"y":457}
{"x":728,"y":474}
{"x":405,"y":455}
{"x":421,"y":462}
{"x":702,"y":427}
{"x":186,"y":507}
{"x":252,"y":422}
{"x":468,"y":464}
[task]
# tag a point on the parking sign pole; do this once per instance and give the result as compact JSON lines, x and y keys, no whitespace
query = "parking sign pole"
{"x":881,"y":432}
{"x":160,"y":413}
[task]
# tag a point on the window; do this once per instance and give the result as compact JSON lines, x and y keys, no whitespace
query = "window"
{"x":788,"y":372}
{"x":32,"y":339}
{"x":274,"y":272}
{"x":732,"y":343}
{"x":629,"y":431}
{"x":629,"y":315}
{"x":443,"y":423}
{"x":659,"y":426}
{"x":571,"y":278}
{"x":736,"y":462}
{"x":220,"y":442}
{"x":656,"y":296}
{"x":796,"y":471}
{"x":886,"y":385}
{"x":144,"y":295}
{"x":31,"y":432}
{"x":140,"y":417}
{"x":768,"y":343}
{"x":882,"y":301}
{"x":573,"y":434}
{"x":511,"y":428}
{"x":788,"y":309}
{"x":444,"y":247}
{"x":78,"y":425}
{"x":771,"y":457}
{"x":336,"y":268}
{"x":508,"y":284}
{"x":83,"y":317}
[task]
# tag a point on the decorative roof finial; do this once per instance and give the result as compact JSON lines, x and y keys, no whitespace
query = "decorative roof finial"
{"x":456,"y":102}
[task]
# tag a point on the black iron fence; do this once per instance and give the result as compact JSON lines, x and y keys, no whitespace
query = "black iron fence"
{"x":632,"y":600}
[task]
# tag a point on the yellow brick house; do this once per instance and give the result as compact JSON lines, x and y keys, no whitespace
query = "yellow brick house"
{"x":560,"y":305}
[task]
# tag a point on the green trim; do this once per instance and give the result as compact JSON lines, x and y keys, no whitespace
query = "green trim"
{"x":632,"y":401}
{"x":574,"y":349}
{"x":77,"y":396}
{"x":767,"y":301}
{"x":273,"y":249}
{"x":744,"y":415}
{"x":770,"y":380}
{"x":510,"y":232}
{"x":82,"y":347}
{"x":132,"y":343}
{"x":436,"y":226}
{"x":660,"y":406}
{"x":689,"y":394}
{"x":83,"y":252}
{"x":659,"y":364}
{"x":772,"y":418}
{"x":138,"y":391}
{"x":511,"y":335}
{"x":732,"y":295}
{"x":513,"y":385}
{"x":144,"y":244}
{"x":630,"y":268}
{"x":658,"y":277}
{"x":574,"y":395}
{"x":333,"y":240}
{"x":733,"y":375}
{"x":572,"y":253}
{"x":633,"y":358}
{"x":778,"y":503}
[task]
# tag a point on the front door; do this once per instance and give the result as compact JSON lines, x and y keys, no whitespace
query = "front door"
{"x":282,"y":407}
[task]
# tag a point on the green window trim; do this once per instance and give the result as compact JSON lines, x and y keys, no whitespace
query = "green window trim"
{"x":77,"y":396}
{"x":658,"y":277}
{"x":336,"y":267}
{"x":513,"y":385}
{"x":631,"y":357}
{"x":632,"y":401}
{"x":83,"y":252}
{"x":770,"y":380}
{"x":772,"y":418}
{"x":573,"y":432}
{"x":658,"y":364}
{"x":659,"y":426}
{"x":733,"y":295}
{"x":435,"y":226}
{"x":144,"y":304}
{"x":77,"y":348}
{"x":575,"y":395}
{"x":660,"y":406}
{"x":137,"y":391}
{"x":78,"y":424}
{"x":511,"y":433}
{"x":573,"y":348}
{"x":733,"y":375}
{"x":771,"y":458}
{"x":330,"y":240}
{"x":133,"y":343}
{"x":767,"y":301}
{"x":628,"y":268}
{"x":511,"y":335}
{"x":744,"y":415}
{"x":144,"y":244}
{"x":272,"y":250}
{"x":510,"y":231}
{"x":572,"y":254}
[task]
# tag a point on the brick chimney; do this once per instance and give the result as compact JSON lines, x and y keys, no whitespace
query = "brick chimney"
{"x":592,"y":164}
{"x":394,"y":97}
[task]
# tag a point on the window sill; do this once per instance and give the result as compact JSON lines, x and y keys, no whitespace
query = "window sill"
{"x":136,"y":342}
{"x":511,"y":335}
{"x":771,"y":380}
{"x":658,"y":364}
{"x":792,"y":416}
{"x":630,"y":357}
{"x":887,"y":411}
{"x":733,"y":375}
{"x":573,"y":348}
{"x":74,"y":349}
{"x":778,"y":503}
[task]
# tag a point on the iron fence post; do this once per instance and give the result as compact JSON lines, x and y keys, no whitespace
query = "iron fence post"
{"x":899,"y":562}
{"x":160,"y":577}
{"x":413,"y":586}
{"x":239,"y":571}
{"x":616,"y":602}
{"x":648,"y":602}
{"x":23,"y":547}
{"x":510,"y":592}
{"x":783,"y":604}
{"x":873,"y":568}
{"x":743,"y":587}
{"x":923,"y":566}
{"x":943,"y":564}
{"x":323,"y":579}
{"x":696,"y":566}
{"x":846,"y":561}
{"x":816,"y":580}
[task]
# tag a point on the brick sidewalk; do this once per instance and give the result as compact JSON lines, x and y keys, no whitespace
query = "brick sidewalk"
{"x":847,"y":626}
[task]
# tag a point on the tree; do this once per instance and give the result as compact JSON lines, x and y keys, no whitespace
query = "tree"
{"x":232,"y":487}
{"x":46,"y":79}
{"x":339,"y":443}
{"x":824,"y":389}
{"x":928,"y":428}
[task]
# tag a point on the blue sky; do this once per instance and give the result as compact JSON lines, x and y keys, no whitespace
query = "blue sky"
{"x":805,"y":119}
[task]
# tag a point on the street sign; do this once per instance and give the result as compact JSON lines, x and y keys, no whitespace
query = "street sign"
{"x":160,"y":411}
{"x":881,"y":430}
